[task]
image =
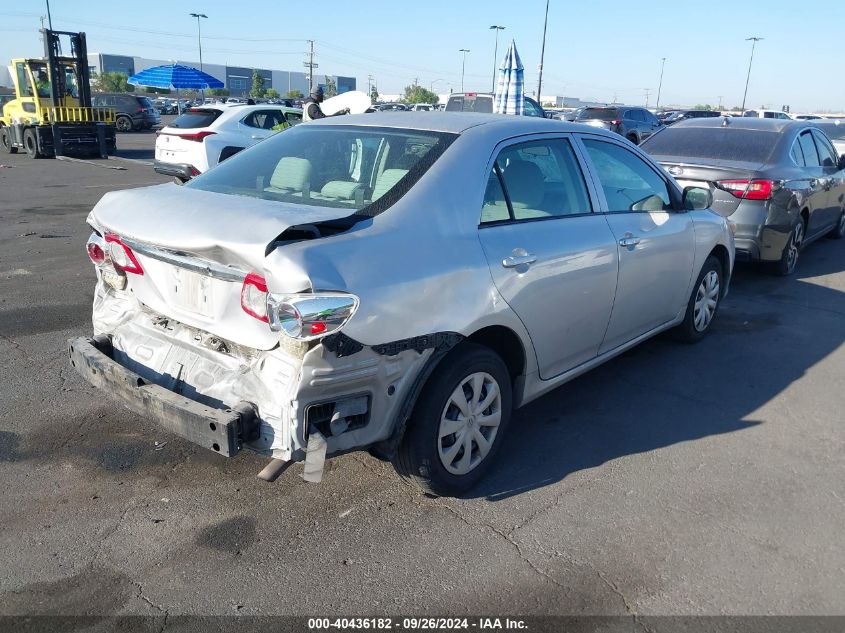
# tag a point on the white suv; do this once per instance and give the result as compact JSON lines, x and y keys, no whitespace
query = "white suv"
{"x":767,"y":114}
{"x":197,"y":140}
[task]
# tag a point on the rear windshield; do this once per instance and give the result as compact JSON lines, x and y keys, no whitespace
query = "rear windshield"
{"x":602,"y":114}
{"x":479,"y":103}
{"x":145,"y":102}
{"x":722,"y":143}
{"x":195,"y":118}
{"x":364,"y":169}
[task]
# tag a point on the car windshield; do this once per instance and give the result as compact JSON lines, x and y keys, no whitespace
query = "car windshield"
{"x":360,"y":168}
{"x":602,"y":114}
{"x":196,"y":118}
{"x":721,"y":143}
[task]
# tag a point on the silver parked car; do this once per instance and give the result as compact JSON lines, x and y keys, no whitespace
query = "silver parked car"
{"x":393,"y":282}
{"x":780,"y":181}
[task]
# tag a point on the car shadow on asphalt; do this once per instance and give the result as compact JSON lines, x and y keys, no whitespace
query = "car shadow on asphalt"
{"x":770,"y":331}
{"x":137,"y":154}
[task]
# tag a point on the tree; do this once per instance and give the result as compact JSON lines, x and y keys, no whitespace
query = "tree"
{"x":331,"y":88}
{"x":258,"y":89}
{"x":374,"y":95}
{"x":417,"y":94}
{"x":219,"y":92}
{"x":110,"y":82}
{"x":293,"y":94}
{"x":703,"y":106}
{"x":272,"y":93}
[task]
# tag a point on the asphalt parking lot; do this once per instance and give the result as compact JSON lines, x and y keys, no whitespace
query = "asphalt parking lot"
{"x":676,"y":479}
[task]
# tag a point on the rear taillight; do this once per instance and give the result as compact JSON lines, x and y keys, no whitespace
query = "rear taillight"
{"x":748,"y":189}
{"x":254,"y":297}
{"x":122,"y":257}
{"x":140,"y":110}
{"x":616,"y":122}
{"x":95,"y":252}
{"x":196,"y":136}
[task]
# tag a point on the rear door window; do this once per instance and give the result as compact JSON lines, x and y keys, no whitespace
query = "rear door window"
{"x":796,"y":154}
{"x":542,"y":179}
{"x":629,"y":183}
{"x":827,"y":155}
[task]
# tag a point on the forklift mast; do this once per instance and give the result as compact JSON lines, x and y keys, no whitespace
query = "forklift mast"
{"x":79,"y":58}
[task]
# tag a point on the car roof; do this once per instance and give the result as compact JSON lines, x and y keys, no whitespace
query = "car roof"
{"x":742,"y":123}
{"x":457,"y":122}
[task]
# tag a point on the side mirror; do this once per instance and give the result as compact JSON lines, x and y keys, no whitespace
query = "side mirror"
{"x":697,"y":198}
{"x":841,"y":163}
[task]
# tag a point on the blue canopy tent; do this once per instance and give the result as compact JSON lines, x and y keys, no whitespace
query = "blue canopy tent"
{"x":175,"y":77}
{"x":510,"y":95}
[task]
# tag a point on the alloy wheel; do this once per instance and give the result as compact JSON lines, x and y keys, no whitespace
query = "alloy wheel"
{"x":706,"y":301}
{"x":796,"y":238}
{"x":469,"y":423}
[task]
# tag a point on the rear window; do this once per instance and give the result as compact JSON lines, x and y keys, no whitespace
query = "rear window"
{"x":145,"y":102}
{"x":602,"y":114}
{"x":465,"y":103}
{"x":195,"y":118}
{"x":721,"y":143}
{"x":363,"y":169}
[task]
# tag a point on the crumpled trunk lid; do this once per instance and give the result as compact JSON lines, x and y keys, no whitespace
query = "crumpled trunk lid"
{"x":172,"y":225}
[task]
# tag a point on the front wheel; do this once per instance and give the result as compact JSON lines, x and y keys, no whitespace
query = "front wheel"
{"x":457,"y":425}
{"x":123,"y":124}
{"x":838,"y":231}
{"x":703,"y":303}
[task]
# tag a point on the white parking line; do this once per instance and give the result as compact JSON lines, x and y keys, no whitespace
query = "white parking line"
{"x":123,"y":184}
{"x":89,"y":162}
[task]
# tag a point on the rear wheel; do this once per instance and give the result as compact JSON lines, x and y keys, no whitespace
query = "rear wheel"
{"x":6,"y":140}
{"x":30,"y":143}
{"x":633,"y":139}
{"x":838,"y":231}
{"x":458,"y":422}
{"x":123,"y":124}
{"x":789,"y":258}
{"x":703,"y":303}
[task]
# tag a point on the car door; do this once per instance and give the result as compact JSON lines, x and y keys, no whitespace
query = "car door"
{"x":655,"y":240}
{"x":833,"y":183}
{"x":551,"y":257}
{"x":650,"y":124}
{"x":816,"y":196}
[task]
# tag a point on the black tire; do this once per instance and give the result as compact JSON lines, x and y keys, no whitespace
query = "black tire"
{"x":123,"y":124}
{"x":30,"y":143}
{"x":789,"y":258}
{"x":690,"y":330}
{"x":838,"y":231}
{"x":6,"y":141}
{"x":418,"y":458}
{"x":633,"y":138}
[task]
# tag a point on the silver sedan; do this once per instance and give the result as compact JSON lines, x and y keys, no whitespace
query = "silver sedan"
{"x":392,"y":282}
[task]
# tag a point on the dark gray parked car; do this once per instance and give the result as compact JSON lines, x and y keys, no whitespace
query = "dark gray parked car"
{"x":635,"y":124}
{"x":682,"y":115}
{"x":781,"y":182}
{"x":132,"y":112}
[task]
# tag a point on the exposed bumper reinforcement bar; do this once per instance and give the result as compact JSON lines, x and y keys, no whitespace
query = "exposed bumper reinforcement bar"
{"x":220,"y":430}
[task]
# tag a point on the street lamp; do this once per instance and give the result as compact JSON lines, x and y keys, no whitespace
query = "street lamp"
{"x":199,"y":32}
{"x":753,"y":41}
{"x":542,"y":56}
{"x":660,"y":86}
{"x":463,"y":65}
{"x":496,"y":53}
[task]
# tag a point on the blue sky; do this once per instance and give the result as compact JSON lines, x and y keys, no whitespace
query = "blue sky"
{"x":594,"y":50}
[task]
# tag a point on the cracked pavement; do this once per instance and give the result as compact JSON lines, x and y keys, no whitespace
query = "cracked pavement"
{"x":675,"y":479}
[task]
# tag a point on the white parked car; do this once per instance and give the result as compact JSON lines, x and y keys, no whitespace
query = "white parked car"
{"x":200,"y":138}
{"x":767,"y":114}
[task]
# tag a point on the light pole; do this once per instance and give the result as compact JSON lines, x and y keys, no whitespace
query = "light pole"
{"x":542,"y":56}
{"x":199,"y":41}
{"x":463,"y":65}
{"x":753,"y":41}
{"x":660,"y":85}
{"x":431,"y":86}
{"x":496,"y":53}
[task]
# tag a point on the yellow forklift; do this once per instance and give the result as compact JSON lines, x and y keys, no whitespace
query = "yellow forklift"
{"x":52,"y":113}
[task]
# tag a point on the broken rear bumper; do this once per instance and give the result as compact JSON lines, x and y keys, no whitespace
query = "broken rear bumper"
{"x":223,"y":431}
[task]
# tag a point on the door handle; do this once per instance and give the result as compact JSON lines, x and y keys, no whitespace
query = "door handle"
{"x":519,"y":260}
{"x":629,"y":242}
